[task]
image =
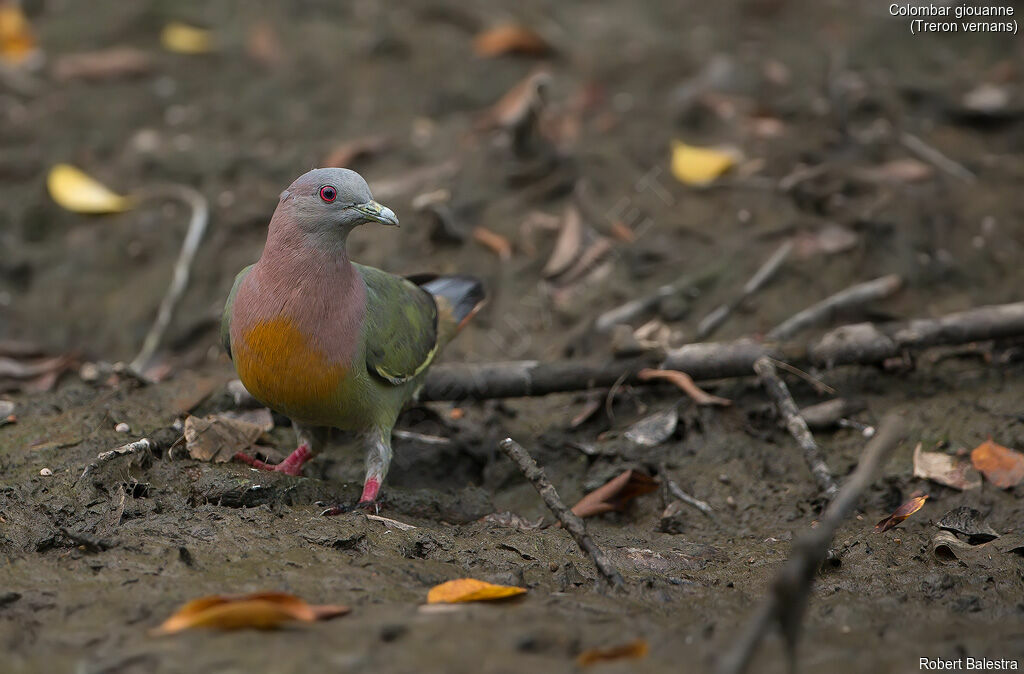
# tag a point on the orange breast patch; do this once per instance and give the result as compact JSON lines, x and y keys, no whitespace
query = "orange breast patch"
{"x":280,"y":367}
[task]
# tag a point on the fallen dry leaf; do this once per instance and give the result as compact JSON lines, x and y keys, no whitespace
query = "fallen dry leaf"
{"x":510,"y":38}
{"x":622,"y":232}
{"x":969,"y":522}
{"x":1002,"y":466}
{"x":263,"y":610}
{"x":949,"y":470}
{"x":568,"y":244}
{"x":185,"y":39}
{"x":218,"y":438}
{"x":634,"y":650}
{"x":827,"y":240}
{"x":898,"y":171}
{"x":493,"y":241}
{"x":683,"y":382}
{"x":615,"y":494}
{"x":17,"y":43}
{"x":902,"y":513}
{"x":470,"y":589}
{"x":523,"y":99}
{"x":700,"y":166}
{"x":33,"y":374}
{"x":105,"y":64}
{"x":263,"y":45}
{"x":345,"y":154}
{"x":654,"y":429}
{"x":75,"y":191}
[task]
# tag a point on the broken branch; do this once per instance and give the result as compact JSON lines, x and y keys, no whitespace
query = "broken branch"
{"x":825,"y":310}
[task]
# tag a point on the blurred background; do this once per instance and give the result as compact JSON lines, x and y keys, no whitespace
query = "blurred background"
{"x":809,"y":102}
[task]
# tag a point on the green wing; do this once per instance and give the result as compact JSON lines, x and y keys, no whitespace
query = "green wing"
{"x":225,"y":321}
{"x":401,"y":326}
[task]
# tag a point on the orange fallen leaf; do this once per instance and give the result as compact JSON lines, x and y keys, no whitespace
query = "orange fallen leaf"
{"x":16,"y":40}
{"x":510,"y":38}
{"x":521,"y":100}
{"x":623,"y":232}
{"x":470,"y":589}
{"x":497,"y":243}
{"x":634,"y":649}
{"x":685,"y":384}
{"x":568,"y":245}
{"x":263,"y":610}
{"x":902,"y":513}
{"x":1002,"y":466}
{"x":615,"y":494}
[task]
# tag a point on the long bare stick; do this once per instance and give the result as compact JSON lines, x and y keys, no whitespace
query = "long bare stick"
{"x":182,"y":268}
{"x":776,"y":388}
{"x":627,"y":312}
{"x":860,"y":343}
{"x":825,"y":310}
{"x":713,"y":320}
{"x":790,"y":591}
{"x":571,"y":522}
{"x":936,"y":158}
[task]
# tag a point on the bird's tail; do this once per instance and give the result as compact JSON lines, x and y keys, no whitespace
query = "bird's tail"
{"x":458,"y":299}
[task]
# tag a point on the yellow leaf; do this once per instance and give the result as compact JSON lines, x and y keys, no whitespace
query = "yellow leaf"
{"x":16,"y":41}
{"x":77,"y":192}
{"x":634,"y":649}
{"x":699,"y":166}
{"x":470,"y":589}
{"x":264,"y":610}
{"x":185,"y":39}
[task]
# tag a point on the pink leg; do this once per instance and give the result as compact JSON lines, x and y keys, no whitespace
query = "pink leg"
{"x":292,"y":465}
{"x":370,"y":489}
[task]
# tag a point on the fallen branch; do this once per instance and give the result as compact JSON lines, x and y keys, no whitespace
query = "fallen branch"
{"x":572,"y":523}
{"x":776,"y":388}
{"x":681,"y":495}
{"x":182,"y":268}
{"x":825,"y":310}
{"x":857,"y":344}
{"x":791,"y":588}
{"x":638,"y":307}
{"x":713,"y":320}
{"x":936,"y":158}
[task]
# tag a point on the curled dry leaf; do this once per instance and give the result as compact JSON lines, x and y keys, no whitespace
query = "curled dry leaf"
{"x":518,"y":103}
{"x":634,"y":650}
{"x":493,"y":241}
{"x":347,"y":153}
{"x":952,"y":471}
{"x":470,"y":589}
{"x":185,"y":39}
{"x":1002,"y":466}
{"x":683,"y":382}
{"x":700,"y":166}
{"x":263,"y":610}
{"x":75,"y":191}
{"x":568,"y":245}
{"x":968,"y":522}
{"x":17,"y":43}
{"x":510,"y":38}
{"x":828,"y":240}
{"x":902,"y":513}
{"x":615,"y":494}
{"x":654,"y":429}
{"x":105,"y":64}
{"x":218,"y":438}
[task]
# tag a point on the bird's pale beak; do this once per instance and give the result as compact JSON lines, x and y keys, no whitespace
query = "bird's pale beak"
{"x":375,"y":212}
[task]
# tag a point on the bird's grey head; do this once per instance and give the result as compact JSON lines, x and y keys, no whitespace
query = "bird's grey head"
{"x":330,"y":202}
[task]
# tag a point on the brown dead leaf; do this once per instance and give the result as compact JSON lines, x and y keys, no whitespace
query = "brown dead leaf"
{"x":898,"y":171}
{"x":634,"y":650}
{"x":828,"y":240}
{"x":1002,"y":466}
{"x":683,"y":382}
{"x":263,"y":610}
{"x":493,"y":241}
{"x":623,"y":232}
{"x":591,"y":255}
{"x":522,"y":100}
{"x":615,"y":494}
{"x":347,"y":153}
{"x":33,"y":375}
{"x":902,"y":513}
{"x":952,"y":471}
{"x":470,"y":589}
{"x":217,"y":438}
{"x":568,"y":245}
{"x":263,"y":45}
{"x":510,"y":38}
{"x":105,"y":64}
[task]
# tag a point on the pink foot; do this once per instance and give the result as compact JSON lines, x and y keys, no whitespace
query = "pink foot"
{"x":292,"y":465}
{"x":368,"y":501}
{"x":370,"y":489}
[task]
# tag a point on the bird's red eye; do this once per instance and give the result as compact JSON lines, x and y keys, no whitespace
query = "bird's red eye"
{"x":328,"y":193}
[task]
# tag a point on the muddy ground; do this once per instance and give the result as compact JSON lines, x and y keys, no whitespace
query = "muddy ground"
{"x":88,"y":566}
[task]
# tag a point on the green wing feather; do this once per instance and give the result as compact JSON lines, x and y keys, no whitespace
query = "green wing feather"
{"x":401,"y":326}
{"x":225,"y":321}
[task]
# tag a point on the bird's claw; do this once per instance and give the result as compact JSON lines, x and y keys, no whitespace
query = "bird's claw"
{"x":343,"y":508}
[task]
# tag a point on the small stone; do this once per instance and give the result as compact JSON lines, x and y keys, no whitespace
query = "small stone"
{"x":89,"y":372}
{"x":46,"y":472}
{"x":122,"y":428}
{"x":730,"y":501}
{"x":724,"y":479}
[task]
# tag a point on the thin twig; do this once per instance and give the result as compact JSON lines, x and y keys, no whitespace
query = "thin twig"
{"x":791,"y":588}
{"x":684,"y":383}
{"x":139,"y":446}
{"x":939,"y":160}
{"x":182,"y":268}
{"x":713,"y":320}
{"x":776,"y":388}
{"x":676,"y":491}
{"x":825,"y":310}
{"x":572,"y":523}
{"x":423,"y":438}
{"x":632,"y":309}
